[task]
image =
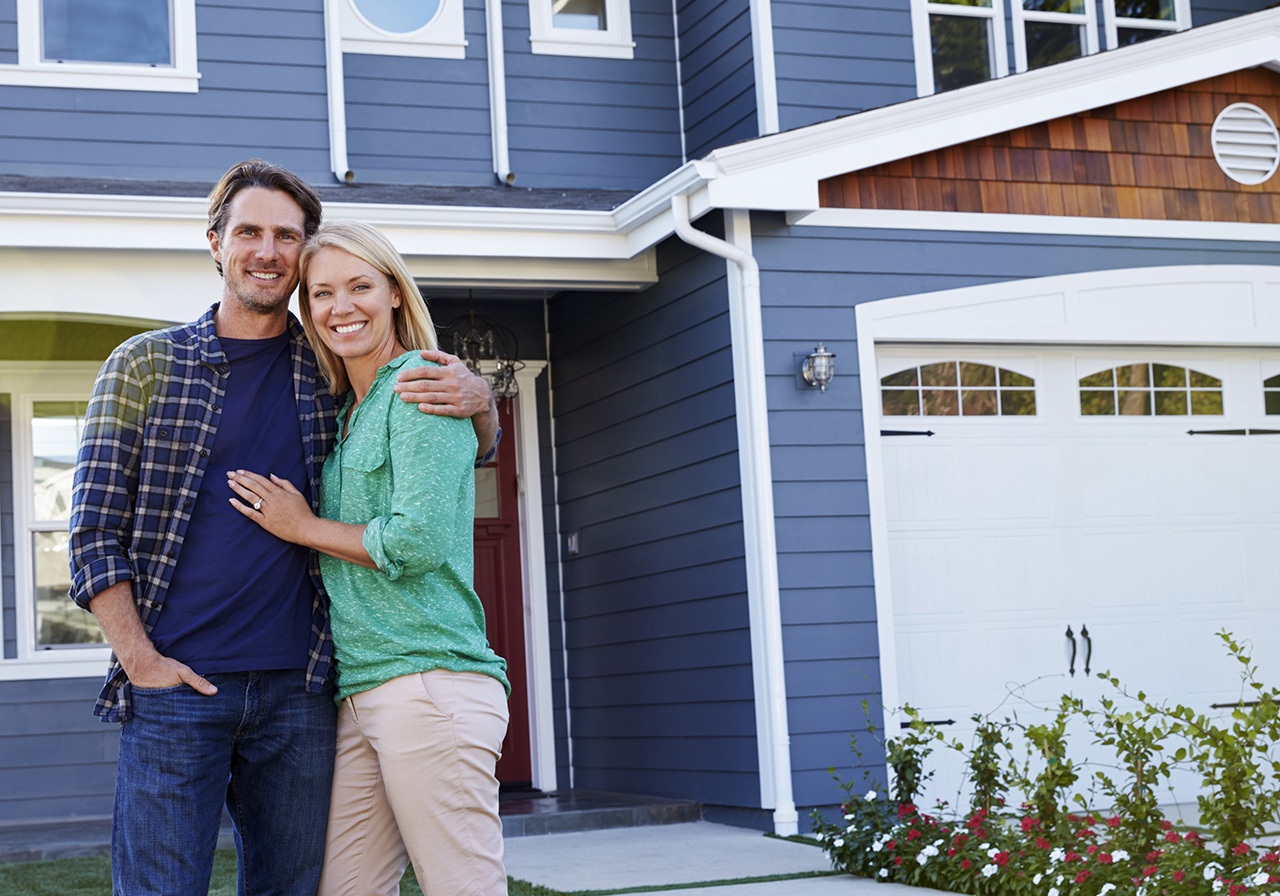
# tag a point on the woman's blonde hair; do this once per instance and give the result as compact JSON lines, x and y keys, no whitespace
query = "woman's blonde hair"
{"x":412,"y":320}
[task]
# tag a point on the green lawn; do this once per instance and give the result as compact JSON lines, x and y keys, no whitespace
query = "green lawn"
{"x":92,"y":877}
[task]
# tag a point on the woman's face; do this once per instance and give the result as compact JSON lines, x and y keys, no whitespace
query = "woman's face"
{"x":351,"y":307}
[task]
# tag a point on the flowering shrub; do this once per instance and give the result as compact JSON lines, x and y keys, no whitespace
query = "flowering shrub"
{"x":1049,"y":848}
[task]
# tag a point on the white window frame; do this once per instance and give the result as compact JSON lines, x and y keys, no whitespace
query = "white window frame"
{"x":1112,"y":23}
{"x":922,"y":39}
{"x":1088,"y":20}
{"x":31,"y":71}
{"x":613,"y":43}
{"x":443,"y":37}
{"x":28,"y":383}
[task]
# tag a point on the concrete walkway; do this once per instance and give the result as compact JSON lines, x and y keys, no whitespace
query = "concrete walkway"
{"x":663,"y":855}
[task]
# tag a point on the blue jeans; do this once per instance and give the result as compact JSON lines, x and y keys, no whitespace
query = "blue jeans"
{"x":263,"y":747}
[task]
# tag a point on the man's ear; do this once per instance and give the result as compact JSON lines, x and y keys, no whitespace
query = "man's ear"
{"x":215,"y":246}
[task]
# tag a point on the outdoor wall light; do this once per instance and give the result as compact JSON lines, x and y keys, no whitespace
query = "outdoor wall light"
{"x":818,"y":368}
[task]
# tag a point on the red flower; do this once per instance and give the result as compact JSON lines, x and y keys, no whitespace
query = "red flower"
{"x":1085,"y":832}
{"x":1029,"y":824}
{"x":1113,"y":821}
{"x":1043,"y":843}
{"x":1173,"y":837}
{"x":965,"y":864}
{"x":1091,"y":819}
{"x":1001,"y":858}
{"x":891,"y":844}
{"x":951,"y":851}
{"x":1191,"y":835}
{"x":1104,"y":858}
{"x":1092,"y":848}
{"x":905,"y":809}
{"x":1154,"y":854}
{"x":1179,"y":875}
{"x":1149,"y":870}
{"x":1165,"y":824}
{"x":1071,"y":855}
{"x":897,"y":860}
{"x":962,"y":839}
{"x":1271,"y":857}
{"x":1243,"y":849}
{"x":913,"y":834}
{"x":1081,"y":876}
{"x":1235,"y":889}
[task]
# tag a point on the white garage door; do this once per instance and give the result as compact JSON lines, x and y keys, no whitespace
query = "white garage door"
{"x":1130,"y":496}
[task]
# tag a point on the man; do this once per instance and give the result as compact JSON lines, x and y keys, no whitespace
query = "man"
{"x":221,"y":671}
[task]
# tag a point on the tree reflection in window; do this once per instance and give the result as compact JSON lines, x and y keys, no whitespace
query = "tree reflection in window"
{"x":1271,"y":395}
{"x":1144,"y":390}
{"x":957,"y":389}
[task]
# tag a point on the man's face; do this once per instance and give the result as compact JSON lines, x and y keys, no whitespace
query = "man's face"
{"x":259,"y":248}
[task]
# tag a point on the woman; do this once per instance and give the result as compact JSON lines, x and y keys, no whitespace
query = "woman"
{"x":422,"y":696}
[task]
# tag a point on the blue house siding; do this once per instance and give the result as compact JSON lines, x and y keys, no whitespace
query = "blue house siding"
{"x":578,"y":121}
{"x":836,"y":58}
{"x":8,"y":32}
{"x":1204,"y":12}
{"x":8,"y":588}
{"x":811,"y":280}
{"x":717,"y":73}
{"x":422,"y":120}
{"x":57,"y":760}
{"x":261,"y":96}
{"x":655,"y":604}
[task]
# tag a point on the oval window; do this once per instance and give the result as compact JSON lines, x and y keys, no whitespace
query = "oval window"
{"x":397,"y":16}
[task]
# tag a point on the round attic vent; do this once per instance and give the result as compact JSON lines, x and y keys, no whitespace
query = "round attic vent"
{"x":1246,"y":143}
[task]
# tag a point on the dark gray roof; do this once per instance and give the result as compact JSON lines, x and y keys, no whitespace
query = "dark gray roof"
{"x":392,"y":194}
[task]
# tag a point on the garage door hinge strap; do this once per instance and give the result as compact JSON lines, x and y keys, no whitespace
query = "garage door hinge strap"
{"x":1233,"y":432}
{"x":904,"y":432}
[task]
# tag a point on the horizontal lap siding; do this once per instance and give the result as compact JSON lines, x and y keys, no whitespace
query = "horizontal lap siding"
{"x":655,"y":603}
{"x":259,"y":96}
{"x":1204,"y":12}
{"x":717,"y":74}
{"x":8,"y":32}
{"x":414,"y":120}
{"x":57,"y":761}
{"x":811,"y":279}
{"x":838,"y":57}
{"x":583,"y":122}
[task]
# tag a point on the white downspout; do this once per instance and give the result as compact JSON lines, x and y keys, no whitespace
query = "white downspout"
{"x":498,"y":93}
{"x":745,"y":320}
{"x":337,"y":94}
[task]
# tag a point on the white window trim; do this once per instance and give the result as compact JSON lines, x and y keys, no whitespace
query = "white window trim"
{"x":923,"y":42}
{"x":30,"y":71}
{"x":1112,"y":23}
{"x":613,"y":43}
{"x":27,"y":383}
{"x":1088,"y":20}
{"x":444,"y":37}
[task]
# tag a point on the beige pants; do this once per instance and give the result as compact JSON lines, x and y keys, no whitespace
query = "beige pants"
{"x":414,"y":780}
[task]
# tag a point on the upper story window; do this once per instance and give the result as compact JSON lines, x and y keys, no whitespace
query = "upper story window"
{"x":599,"y":28}
{"x":1144,"y":390}
{"x":962,"y":42}
{"x":431,"y":28}
{"x":957,"y":389}
{"x":106,"y":45}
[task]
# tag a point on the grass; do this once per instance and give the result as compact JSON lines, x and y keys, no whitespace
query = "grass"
{"x":92,"y":877}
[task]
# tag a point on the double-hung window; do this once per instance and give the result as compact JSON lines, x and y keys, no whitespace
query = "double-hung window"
{"x":962,"y":42}
{"x":104,"y":44}
{"x":599,"y":28}
{"x":1049,"y":31}
{"x":1133,"y":21}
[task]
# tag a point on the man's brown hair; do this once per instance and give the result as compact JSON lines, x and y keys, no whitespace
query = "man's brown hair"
{"x":257,"y":173}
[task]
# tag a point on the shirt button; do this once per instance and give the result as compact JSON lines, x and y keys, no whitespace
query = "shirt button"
{"x":169,"y":554}
{"x":186,"y":503}
{"x":164,"y":433}
{"x":204,"y":452}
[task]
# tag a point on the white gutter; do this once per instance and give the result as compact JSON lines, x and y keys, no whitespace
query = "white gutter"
{"x":773,"y":736}
{"x":337,"y":94}
{"x":498,"y":93}
{"x":766,"y":71}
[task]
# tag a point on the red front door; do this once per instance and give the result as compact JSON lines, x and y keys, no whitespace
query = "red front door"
{"x":498,"y":582}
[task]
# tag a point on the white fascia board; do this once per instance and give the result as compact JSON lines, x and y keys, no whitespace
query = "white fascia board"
{"x":982,"y":222}
{"x":812,"y":153}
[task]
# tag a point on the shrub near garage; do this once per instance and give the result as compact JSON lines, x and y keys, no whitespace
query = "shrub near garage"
{"x":1049,"y":848}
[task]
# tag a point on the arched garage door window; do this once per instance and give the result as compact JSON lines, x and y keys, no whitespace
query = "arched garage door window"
{"x":957,"y":389}
{"x":1141,"y":390}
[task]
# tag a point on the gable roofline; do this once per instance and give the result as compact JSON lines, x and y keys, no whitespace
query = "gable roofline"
{"x":780,"y":172}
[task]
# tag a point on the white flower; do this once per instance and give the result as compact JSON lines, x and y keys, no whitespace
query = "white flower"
{"x":1036,"y":879}
{"x":922,"y":859}
{"x":884,"y":872}
{"x":1120,"y":855}
{"x":988,"y":870}
{"x":991,"y":853}
{"x":819,"y":836}
{"x":1217,"y":886}
{"x":839,"y":842}
{"x":1059,"y":880}
{"x":1053,"y":891}
{"x":871,"y":796}
{"x":1057,"y":855}
{"x":1106,"y":888}
{"x":984,"y":846}
{"x":1211,"y":870}
{"x":848,"y":818}
{"x":1260,"y":878}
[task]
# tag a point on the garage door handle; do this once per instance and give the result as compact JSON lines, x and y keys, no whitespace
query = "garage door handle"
{"x":1071,"y":636}
{"x":1088,"y":647}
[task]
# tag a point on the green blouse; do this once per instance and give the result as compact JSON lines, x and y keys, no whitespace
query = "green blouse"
{"x":410,"y":477}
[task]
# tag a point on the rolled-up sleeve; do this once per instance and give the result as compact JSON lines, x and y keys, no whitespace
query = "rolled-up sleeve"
{"x":106,"y":479}
{"x":431,"y":460}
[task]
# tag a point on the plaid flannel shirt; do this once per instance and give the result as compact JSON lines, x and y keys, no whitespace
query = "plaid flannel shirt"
{"x":150,"y":424}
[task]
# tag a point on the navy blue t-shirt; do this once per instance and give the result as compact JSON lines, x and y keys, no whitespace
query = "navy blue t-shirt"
{"x":240,"y":599}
